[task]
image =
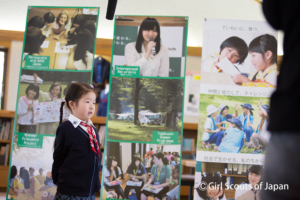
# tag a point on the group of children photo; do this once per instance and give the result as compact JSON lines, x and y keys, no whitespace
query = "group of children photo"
{"x":67,"y":36}
{"x":228,"y":130}
{"x":155,"y":174}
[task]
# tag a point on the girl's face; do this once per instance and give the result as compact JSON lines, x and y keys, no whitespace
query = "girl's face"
{"x":137,"y":163}
{"x":254,"y":178}
{"x":245,"y":110}
{"x":225,"y":111}
{"x":156,"y":161}
{"x":231,"y":53}
{"x":31,"y":94}
{"x":231,"y":125}
{"x":175,"y":174}
{"x":114,"y":163}
{"x":258,"y":61}
{"x":85,"y":108}
{"x":212,"y":190}
{"x":63,"y":18}
{"x":214,"y":114}
{"x":147,"y":34}
{"x":55,"y":91}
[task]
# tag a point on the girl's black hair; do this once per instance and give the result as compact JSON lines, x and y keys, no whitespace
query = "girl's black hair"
{"x":34,"y":87}
{"x":109,"y":162}
{"x":224,"y":109}
{"x":210,"y":178}
{"x":36,"y":21}
{"x":176,"y":168}
{"x":161,"y":156}
{"x":135,"y":158}
{"x":79,"y":19}
{"x":172,"y":158}
{"x":13,"y":171}
{"x":66,"y":89}
{"x":255,"y":169}
{"x":24,"y":174}
{"x":238,"y":44}
{"x":264,"y":43}
{"x":148,"y":24}
{"x":56,"y":85}
{"x":34,"y":40}
{"x":85,"y":42}
{"x":49,"y":17}
{"x":90,"y":25}
{"x":59,"y":15}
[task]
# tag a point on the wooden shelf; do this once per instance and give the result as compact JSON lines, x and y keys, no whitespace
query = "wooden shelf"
{"x":234,"y":175}
{"x":4,"y":142}
{"x":188,"y":151}
{"x":99,"y":120}
{"x":190,"y":126}
{"x":7,"y":114}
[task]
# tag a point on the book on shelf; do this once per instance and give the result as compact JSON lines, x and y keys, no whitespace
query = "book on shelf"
{"x":4,"y":154}
{"x":244,"y":170}
{"x":240,"y":169}
{"x":229,"y":168}
{"x":188,"y":144}
{"x":234,"y":168}
{"x":5,"y":131}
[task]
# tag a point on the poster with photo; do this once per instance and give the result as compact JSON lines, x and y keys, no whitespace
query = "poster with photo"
{"x":144,"y":127}
{"x":233,"y":116}
{"x":58,"y":50}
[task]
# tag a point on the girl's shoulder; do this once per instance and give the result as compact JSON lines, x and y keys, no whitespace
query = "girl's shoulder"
{"x":130,"y":45}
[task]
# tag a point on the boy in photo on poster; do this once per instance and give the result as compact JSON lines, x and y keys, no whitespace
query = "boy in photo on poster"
{"x":140,"y":53}
{"x":223,"y":116}
{"x":247,"y":120}
{"x":34,"y":40}
{"x":233,"y":142}
{"x":263,"y":51}
{"x":234,"y":49}
{"x":212,"y":134}
{"x":49,"y":22}
{"x":212,"y":187}
{"x":26,"y":107}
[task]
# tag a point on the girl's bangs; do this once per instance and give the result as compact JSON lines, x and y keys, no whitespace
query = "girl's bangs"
{"x":149,"y":25}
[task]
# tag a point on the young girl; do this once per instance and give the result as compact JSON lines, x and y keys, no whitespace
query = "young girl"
{"x":261,"y":136}
{"x":61,"y":24}
{"x":77,"y":157}
{"x":174,"y":180}
{"x":233,"y":142}
{"x":234,"y":49}
{"x":13,"y":182}
{"x":136,"y":172}
{"x":160,"y":177}
{"x":112,"y":173}
{"x":223,"y":116}
{"x":81,"y":58}
{"x":49,"y":21}
{"x":34,"y":40}
{"x":54,"y":94}
{"x":247,"y":121}
{"x":36,"y":21}
{"x":211,"y":186}
{"x":263,"y":50}
{"x":140,"y":53}
{"x":212,"y":134}
{"x":25,"y":109}
{"x":248,"y":189}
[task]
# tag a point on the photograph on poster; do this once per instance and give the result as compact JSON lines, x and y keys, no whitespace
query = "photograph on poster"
{"x":239,"y":52}
{"x":233,"y":124}
{"x":140,"y":106}
{"x":134,"y":166}
{"x":232,"y":181}
{"x":156,"y":44}
{"x":30,"y":171}
{"x":40,"y":96}
{"x":60,"y":38}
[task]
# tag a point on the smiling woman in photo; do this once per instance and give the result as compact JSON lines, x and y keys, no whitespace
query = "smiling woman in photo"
{"x":141,"y":53}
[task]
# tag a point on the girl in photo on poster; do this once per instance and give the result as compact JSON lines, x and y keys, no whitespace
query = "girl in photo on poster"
{"x":13,"y":182}
{"x":36,"y":21}
{"x":61,"y":24}
{"x":247,"y":120}
{"x":250,"y":188}
{"x":174,"y":180}
{"x":263,"y":50}
{"x":141,"y":53}
{"x":77,"y":157}
{"x":25,"y":190}
{"x":223,"y":116}
{"x":81,"y":58}
{"x":34,"y":40}
{"x":212,"y":189}
{"x":26,"y":107}
{"x":160,"y":177}
{"x":54,"y":94}
{"x":137,"y":173}
{"x":49,"y":22}
{"x":261,"y":137}
{"x":234,"y":49}
{"x":233,"y":142}
{"x":212,"y":134}
{"x":113,"y":173}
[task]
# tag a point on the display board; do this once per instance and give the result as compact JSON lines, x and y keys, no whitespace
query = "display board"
{"x":145,"y":122}
{"x":55,"y":54}
{"x":238,"y":75}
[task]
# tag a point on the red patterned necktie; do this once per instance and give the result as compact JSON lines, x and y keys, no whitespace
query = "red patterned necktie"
{"x":91,"y":136}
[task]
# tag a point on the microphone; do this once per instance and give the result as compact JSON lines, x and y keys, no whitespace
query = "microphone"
{"x":111,"y":7}
{"x":153,"y":48}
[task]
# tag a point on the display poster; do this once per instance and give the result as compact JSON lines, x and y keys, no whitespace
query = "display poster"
{"x":58,"y":49}
{"x":145,"y":122}
{"x":238,"y":75}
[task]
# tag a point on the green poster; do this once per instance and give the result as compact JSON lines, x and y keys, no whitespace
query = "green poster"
{"x":50,"y":63}
{"x":145,"y":106}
